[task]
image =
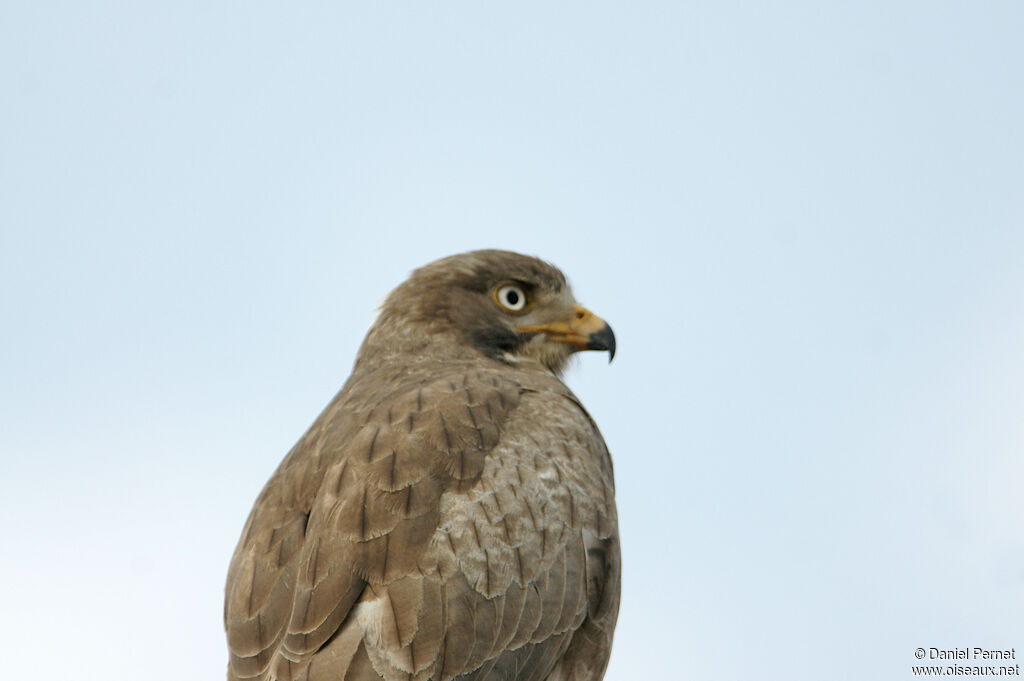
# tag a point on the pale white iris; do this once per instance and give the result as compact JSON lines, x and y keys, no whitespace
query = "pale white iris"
{"x":511,"y":297}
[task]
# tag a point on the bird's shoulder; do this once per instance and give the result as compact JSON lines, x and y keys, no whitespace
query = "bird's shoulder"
{"x":358,"y":498}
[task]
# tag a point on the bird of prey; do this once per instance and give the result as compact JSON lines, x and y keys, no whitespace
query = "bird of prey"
{"x":451,"y":513}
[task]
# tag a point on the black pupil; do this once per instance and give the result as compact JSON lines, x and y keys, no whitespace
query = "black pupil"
{"x":511,"y":297}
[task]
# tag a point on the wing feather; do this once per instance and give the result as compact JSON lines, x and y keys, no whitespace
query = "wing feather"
{"x":355,"y":503}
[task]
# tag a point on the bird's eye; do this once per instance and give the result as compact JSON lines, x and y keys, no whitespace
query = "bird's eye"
{"x":511,"y":297}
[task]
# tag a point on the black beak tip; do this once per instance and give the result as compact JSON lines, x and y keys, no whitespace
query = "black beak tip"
{"x":603,"y":340}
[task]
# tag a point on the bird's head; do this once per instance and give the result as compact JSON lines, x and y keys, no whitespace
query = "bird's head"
{"x":502,"y":304}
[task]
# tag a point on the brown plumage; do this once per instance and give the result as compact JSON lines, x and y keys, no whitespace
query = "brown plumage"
{"x":451,"y":513}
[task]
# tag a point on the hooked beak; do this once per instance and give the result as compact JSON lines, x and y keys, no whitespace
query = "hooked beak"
{"x":584,"y":330}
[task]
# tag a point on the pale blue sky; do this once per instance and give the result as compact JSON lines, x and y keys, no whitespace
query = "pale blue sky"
{"x":805,"y":222}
